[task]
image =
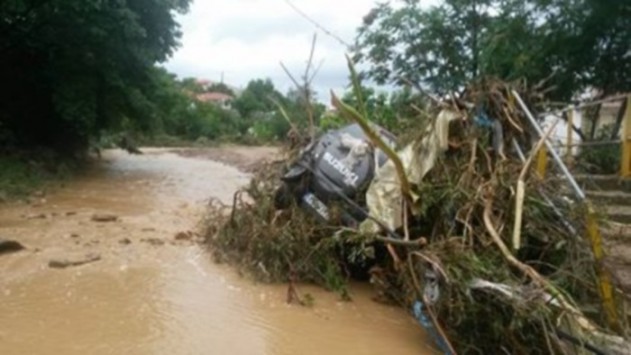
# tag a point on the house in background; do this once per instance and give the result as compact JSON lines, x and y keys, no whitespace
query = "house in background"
{"x":212,"y":92}
{"x":216,"y":98}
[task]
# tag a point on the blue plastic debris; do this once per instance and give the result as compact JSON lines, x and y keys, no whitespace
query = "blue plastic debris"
{"x":482,"y":119}
{"x":419,"y":314}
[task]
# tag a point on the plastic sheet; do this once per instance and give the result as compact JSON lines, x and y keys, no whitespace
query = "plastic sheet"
{"x":384,"y":198}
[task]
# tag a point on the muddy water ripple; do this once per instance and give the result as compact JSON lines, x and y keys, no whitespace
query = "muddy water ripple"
{"x":152,"y":294}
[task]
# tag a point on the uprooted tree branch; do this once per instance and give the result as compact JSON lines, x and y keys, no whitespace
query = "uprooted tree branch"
{"x":452,"y":193}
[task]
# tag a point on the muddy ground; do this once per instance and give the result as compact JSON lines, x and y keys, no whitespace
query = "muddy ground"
{"x":243,"y":158}
{"x":112,"y":266}
{"x":617,"y":242}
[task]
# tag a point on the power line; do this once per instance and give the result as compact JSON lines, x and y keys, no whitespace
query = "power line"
{"x":318,"y":25}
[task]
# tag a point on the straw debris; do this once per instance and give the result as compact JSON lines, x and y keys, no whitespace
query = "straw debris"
{"x":457,"y":263}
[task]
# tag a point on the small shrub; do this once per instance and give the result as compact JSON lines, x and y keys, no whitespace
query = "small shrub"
{"x":600,"y":159}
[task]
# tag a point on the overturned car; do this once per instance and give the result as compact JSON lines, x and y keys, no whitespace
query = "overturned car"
{"x":335,"y":169}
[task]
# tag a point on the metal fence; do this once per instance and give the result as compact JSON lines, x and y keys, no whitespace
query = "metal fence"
{"x":569,"y":146}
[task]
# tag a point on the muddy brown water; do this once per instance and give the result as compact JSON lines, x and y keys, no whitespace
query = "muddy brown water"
{"x":151,"y":294}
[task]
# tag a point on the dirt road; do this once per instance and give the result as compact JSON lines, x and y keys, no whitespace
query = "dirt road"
{"x":112,"y":267}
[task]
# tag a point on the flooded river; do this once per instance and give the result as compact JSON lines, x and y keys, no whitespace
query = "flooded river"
{"x":152,"y":294}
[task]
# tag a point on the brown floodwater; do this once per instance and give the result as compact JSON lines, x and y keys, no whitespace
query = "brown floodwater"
{"x":152,"y":294}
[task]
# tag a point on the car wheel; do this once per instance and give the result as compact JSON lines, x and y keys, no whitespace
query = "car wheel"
{"x":282,"y":197}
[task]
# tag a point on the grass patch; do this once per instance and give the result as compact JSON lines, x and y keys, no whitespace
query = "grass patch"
{"x":23,"y":173}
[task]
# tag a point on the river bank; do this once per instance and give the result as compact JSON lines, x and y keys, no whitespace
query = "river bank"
{"x":24,"y":174}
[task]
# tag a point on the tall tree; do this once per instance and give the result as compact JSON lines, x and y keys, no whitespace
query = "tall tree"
{"x":577,"y":44}
{"x":70,"y":68}
{"x":257,"y":97}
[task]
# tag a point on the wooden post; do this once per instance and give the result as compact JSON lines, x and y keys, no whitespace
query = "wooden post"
{"x":569,"y":139}
{"x":542,"y":162}
{"x":606,"y":289}
{"x":605,"y":283}
{"x":625,"y":161}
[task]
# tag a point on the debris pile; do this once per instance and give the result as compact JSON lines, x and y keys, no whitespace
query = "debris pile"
{"x":272,"y":245}
{"x":489,"y":256}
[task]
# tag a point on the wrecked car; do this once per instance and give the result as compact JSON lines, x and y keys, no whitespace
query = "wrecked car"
{"x":334,"y":169}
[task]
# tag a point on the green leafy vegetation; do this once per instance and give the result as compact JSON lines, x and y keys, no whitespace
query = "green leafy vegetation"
{"x":490,"y":293}
{"x":292,"y":246}
{"x":253,"y":116}
{"x":569,"y":47}
{"x":17,"y":177}
{"x":20,"y":174}
{"x":73,"y":68}
{"x":571,"y":44}
{"x":82,"y":73}
{"x":74,"y":71}
{"x":601,"y":159}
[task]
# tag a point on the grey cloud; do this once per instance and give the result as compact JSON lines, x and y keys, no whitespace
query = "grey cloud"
{"x":206,"y":36}
{"x":255,"y":30}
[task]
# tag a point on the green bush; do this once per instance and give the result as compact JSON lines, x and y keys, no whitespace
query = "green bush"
{"x":331,"y":121}
{"x":600,"y":159}
{"x":22,"y":173}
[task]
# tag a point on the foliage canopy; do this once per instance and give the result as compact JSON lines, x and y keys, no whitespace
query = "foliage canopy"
{"x":575,"y":44}
{"x":71,"y":68}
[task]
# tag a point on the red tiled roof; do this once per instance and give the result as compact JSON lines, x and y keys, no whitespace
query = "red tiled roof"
{"x":213,"y":97}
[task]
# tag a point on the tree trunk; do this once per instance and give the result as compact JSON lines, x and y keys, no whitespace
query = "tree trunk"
{"x":593,"y":116}
{"x":619,"y":118}
{"x":576,"y":130}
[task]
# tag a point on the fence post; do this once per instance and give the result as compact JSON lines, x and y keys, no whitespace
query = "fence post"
{"x":570,"y":137}
{"x":542,"y":162}
{"x":625,"y":161}
{"x":606,"y":289}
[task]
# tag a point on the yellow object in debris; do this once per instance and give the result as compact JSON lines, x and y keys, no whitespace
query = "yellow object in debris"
{"x":542,"y":161}
{"x":604,"y":278}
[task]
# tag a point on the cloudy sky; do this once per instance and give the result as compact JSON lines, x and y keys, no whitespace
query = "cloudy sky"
{"x":246,"y":39}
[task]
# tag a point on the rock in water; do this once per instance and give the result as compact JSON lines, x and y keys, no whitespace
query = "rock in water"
{"x":128,"y":144}
{"x":184,"y":236}
{"x":64,"y":263}
{"x":36,"y":216}
{"x":10,"y":246}
{"x":104,"y":217}
{"x":153,"y":241}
